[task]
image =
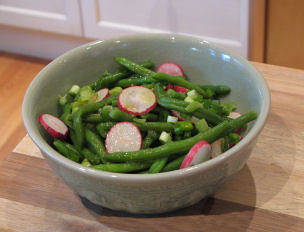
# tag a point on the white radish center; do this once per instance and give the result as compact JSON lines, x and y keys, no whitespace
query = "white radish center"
{"x":216,"y":148}
{"x":234,"y":115}
{"x":54,"y":123}
{"x":202,"y":155}
{"x":123,"y":137}
{"x":102,"y":94}
{"x":137,"y":99}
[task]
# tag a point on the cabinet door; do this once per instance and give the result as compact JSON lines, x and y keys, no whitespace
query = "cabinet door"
{"x":224,"y":22}
{"x":61,"y":16}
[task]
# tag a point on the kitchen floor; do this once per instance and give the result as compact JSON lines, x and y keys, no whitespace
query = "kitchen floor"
{"x":16,"y":73}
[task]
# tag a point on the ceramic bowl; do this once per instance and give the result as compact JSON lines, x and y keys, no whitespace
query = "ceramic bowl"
{"x":204,"y":63}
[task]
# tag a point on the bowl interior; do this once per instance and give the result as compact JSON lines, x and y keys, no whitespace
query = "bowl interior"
{"x":202,"y":62}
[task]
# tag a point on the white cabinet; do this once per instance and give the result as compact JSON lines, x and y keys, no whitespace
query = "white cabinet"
{"x":224,"y":22}
{"x":60,"y":16}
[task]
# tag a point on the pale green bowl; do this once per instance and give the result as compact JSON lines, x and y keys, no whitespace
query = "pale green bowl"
{"x":204,"y":63}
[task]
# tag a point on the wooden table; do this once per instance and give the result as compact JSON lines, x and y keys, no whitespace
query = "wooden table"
{"x":266,"y":195}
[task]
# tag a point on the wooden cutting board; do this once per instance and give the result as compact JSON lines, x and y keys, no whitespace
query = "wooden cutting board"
{"x":266,"y":195}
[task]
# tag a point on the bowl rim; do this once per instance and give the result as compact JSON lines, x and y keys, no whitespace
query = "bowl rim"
{"x":47,"y":150}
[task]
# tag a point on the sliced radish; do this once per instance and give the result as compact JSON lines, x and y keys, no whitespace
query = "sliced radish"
{"x":199,"y":153}
{"x":174,"y":70}
{"x":216,"y":149}
{"x":234,"y":115}
{"x":180,"y":89}
{"x":136,"y":100}
{"x":177,"y":114}
{"x":171,"y":68}
{"x":102,"y":94}
{"x":122,"y":137}
{"x":54,"y":126}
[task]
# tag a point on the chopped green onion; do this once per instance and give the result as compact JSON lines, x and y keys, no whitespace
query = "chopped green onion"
{"x":107,"y":107}
{"x":192,"y":93}
{"x":86,"y":163}
{"x":74,"y":90}
{"x":201,"y":125}
{"x":172,"y":119}
{"x":115,"y":90}
{"x":193,"y":106}
{"x":62,"y":100}
{"x":165,"y":137}
{"x":188,"y":99}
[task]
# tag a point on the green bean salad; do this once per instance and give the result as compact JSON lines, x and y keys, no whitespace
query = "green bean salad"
{"x":142,"y":121}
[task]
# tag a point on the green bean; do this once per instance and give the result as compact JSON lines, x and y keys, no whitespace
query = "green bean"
{"x":84,"y":110}
{"x":217,"y":89}
{"x":103,"y":128}
{"x":136,"y":68}
{"x":107,"y":80}
{"x":72,"y":135}
{"x":135,"y":81}
{"x":115,"y":91}
{"x":177,"y":127}
{"x":66,"y":117}
{"x":187,"y":134}
{"x":90,"y":156}
{"x":105,"y":114}
{"x":183,"y":145}
{"x":174,"y":94}
{"x":201,"y":125}
{"x":163,"y":115}
{"x":149,"y":86}
{"x":86,"y":163}
{"x":178,"y":105}
{"x":95,"y":143}
{"x":149,"y":139}
{"x":174,"y":164}
{"x":157,"y":109}
{"x":94,"y":118}
{"x":67,"y":150}
{"x":158,"y":165}
{"x":121,"y":167}
{"x":147,"y":64}
{"x":181,"y":81}
{"x":143,"y":172}
{"x":121,"y":116}
{"x":150,"y":117}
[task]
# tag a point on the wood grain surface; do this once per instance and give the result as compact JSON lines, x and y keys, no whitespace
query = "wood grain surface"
{"x":285,"y":33}
{"x":266,"y":195}
{"x":16,"y":73}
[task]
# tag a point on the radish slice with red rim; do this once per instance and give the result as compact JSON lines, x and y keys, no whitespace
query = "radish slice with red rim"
{"x":234,"y":115}
{"x":174,"y":70}
{"x":123,"y":137}
{"x":171,"y":68}
{"x":177,"y":114}
{"x":180,"y":89}
{"x":216,"y":148}
{"x":137,"y":100}
{"x":54,"y":126}
{"x":102,"y":94}
{"x":199,"y":153}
